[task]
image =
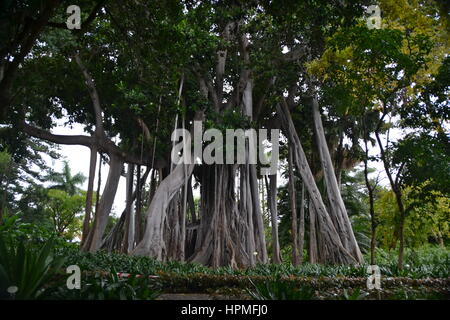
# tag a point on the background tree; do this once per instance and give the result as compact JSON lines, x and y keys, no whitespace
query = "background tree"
{"x":65,"y":211}
{"x":65,"y":181}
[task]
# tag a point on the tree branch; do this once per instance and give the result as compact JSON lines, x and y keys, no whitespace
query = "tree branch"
{"x":93,"y":94}
{"x":56,"y":138}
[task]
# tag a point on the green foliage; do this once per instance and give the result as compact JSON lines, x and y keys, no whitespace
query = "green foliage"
{"x":100,"y":280}
{"x":354,"y":194}
{"x":5,"y":162}
{"x":25,"y":169}
{"x":65,"y":181}
{"x":18,"y":230}
{"x":5,"y":175}
{"x":341,"y":288}
{"x":101,"y":287}
{"x":64,"y":210}
{"x":393,"y":71}
{"x":430,"y":261}
{"x":40,"y":212}
{"x":277,"y":289}
{"x":424,"y":159}
{"x":425,"y":220}
{"x":27,"y":267}
{"x":430,"y":109}
{"x":357,"y":294}
{"x":362,"y":66}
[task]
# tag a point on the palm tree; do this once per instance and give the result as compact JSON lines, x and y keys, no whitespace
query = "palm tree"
{"x":65,"y":181}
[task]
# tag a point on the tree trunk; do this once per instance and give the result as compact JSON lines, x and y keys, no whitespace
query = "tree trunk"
{"x":99,"y":184}
{"x":247,"y":108}
{"x":334,"y":251}
{"x":113,"y":240}
{"x":246,"y":211}
{"x":272,"y":195}
{"x":138,"y":221}
{"x":219,"y":239}
{"x":128,"y":241}
{"x":398,"y":197}
{"x":104,"y":208}
{"x":292,"y":197}
{"x":172,"y":229}
{"x":89,"y":194}
{"x":183,"y":217}
{"x":337,"y":207}
{"x":260,"y":236}
{"x":191,"y":202}
{"x":313,"y":254}
{"x":153,"y":244}
{"x":301,"y":230}
{"x":370,"y":191}
{"x":401,"y":235}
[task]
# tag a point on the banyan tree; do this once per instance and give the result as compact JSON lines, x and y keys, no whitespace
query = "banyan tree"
{"x":138,"y":70}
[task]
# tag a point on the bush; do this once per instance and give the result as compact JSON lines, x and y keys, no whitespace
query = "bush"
{"x":26,"y":267}
{"x":18,"y":231}
{"x":429,"y":262}
{"x":276,"y":289}
{"x":426,"y":274}
{"x":101,"y":287}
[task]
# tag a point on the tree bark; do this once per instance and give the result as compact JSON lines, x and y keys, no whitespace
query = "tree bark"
{"x":99,"y":184}
{"x":370,"y":191}
{"x":128,"y":241}
{"x":260,"y":236}
{"x":246,"y":211}
{"x":301,"y":230}
{"x":219,"y":238}
{"x":337,"y":207}
{"x":113,"y":240}
{"x":334,"y":251}
{"x":272,"y":194}
{"x":138,"y":221}
{"x":152,"y":243}
{"x":292,"y":197}
{"x":94,"y":239}
{"x":313,"y":254}
{"x":247,"y":108}
{"x":89,"y":195}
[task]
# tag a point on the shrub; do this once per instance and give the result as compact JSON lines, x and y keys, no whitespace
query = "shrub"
{"x":277,"y":289}
{"x":429,"y":262}
{"x":27,"y":267}
{"x":101,"y":287}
